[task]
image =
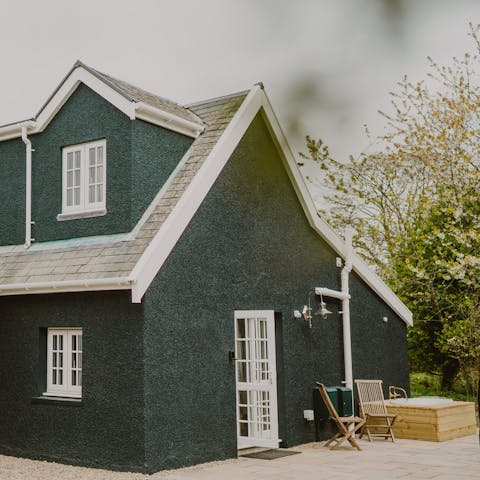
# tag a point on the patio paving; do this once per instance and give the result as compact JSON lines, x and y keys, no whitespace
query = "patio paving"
{"x":406,"y":459}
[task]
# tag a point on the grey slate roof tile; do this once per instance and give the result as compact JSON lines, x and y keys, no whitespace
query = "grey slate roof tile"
{"x":139,"y":95}
{"x":16,"y":279}
{"x":43,"y":278}
{"x":118,"y":258}
{"x":66,"y":269}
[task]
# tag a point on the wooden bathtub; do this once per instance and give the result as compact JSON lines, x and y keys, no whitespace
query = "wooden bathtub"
{"x":433,"y":422}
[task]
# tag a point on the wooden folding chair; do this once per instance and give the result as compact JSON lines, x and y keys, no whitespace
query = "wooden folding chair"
{"x":347,"y":426}
{"x":378,"y":422}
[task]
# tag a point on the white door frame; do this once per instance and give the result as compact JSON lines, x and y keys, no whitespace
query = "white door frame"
{"x":256,"y":379}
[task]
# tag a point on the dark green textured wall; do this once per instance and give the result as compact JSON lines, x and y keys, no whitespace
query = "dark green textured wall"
{"x":159,"y":390}
{"x":107,"y":429}
{"x":140,"y":157}
{"x":249,"y":246}
{"x":376,"y":348}
{"x":85,"y":117}
{"x":155,"y":153}
{"x":12,"y":191}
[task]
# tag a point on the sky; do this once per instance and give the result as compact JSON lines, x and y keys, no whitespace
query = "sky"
{"x":327,"y":65}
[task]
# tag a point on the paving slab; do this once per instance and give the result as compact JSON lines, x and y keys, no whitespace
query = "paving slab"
{"x":457,"y":459}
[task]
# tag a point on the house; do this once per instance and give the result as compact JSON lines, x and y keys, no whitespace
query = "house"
{"x":152,"y":258}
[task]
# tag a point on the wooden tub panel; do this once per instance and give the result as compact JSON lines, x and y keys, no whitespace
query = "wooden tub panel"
{"x":435,"y":423}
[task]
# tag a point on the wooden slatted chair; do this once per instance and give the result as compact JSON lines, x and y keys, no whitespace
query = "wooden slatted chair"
{"x":378,"y":422}
{"x":347,"y":426}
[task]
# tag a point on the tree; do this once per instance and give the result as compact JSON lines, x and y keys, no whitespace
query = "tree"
{"x":414,"y":203}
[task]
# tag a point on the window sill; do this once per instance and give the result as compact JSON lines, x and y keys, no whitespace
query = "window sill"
{"x":63,"y":401}
{"x":62,"y":217}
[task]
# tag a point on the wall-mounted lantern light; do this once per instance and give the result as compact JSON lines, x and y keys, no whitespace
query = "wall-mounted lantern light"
{"x":322,"y":311}
{"x":306,"y":312}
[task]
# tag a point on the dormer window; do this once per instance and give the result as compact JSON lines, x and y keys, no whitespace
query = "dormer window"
{"x":84,"y":180}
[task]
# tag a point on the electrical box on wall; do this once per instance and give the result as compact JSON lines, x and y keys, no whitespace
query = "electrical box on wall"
{"x":308,"y":415}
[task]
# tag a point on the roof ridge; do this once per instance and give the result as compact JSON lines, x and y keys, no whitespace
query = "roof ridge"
{"x":123,"y":88}
{"x":104,"y":77}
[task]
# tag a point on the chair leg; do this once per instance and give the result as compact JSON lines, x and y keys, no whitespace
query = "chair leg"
{"x":334,"y":438}
{"x":339,"y":442}
{"x":346,"y":434}
{"x":350,"y":439}
{"x":354,"y":443}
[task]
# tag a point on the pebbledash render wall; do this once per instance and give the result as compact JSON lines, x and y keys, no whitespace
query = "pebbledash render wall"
{"x":249,"y":247}
{"x":140,"y":158}
{"x":159,"y":389}
{"x":106,"y":428}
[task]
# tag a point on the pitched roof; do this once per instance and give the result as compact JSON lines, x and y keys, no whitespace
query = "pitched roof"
{"x":131,"y":261}
{"x":133,"y":101}
{"x":113,"y":257}
{"x":136,"y":94}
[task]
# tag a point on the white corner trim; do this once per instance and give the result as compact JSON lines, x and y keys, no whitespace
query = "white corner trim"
{"x":164,"y":119}
{"x":166,"y":238}
{"x":168,"y":235}
{"x":120,"y":283}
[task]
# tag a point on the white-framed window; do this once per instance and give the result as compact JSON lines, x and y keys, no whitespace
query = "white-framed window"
{"x":64,"y":362}
{"x":84,"y":177}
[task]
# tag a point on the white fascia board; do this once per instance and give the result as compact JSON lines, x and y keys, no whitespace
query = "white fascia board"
{"x":120,"y":283}
{"x":168,"y":235}
{"x":14,"y":130}
{"x":126,"y":105}
{"x":164,"y":241}
{"x":322,"y":228}
{"x":63,"y":93}
{"x":164,"y":119}
{"x":60,"y":97}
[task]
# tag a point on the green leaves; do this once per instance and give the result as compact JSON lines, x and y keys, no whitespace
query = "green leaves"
{"x":414,"y":201}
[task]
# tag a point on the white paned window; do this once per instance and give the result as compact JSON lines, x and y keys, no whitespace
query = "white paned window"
{"x":84,"y":180}
{"x":64,"y":362}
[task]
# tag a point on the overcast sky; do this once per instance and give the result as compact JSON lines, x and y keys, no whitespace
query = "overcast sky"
{"x":327,"y":65}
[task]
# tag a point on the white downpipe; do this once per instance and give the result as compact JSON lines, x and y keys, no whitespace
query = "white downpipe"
{"x":347,"y":339}
{"x":28,"y":188}
{"x":327,"y":292}
{"x":344,"y":296}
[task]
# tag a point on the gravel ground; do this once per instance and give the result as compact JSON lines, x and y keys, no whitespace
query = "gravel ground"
{"x":457,"y":459}
{"x":14,"y":468}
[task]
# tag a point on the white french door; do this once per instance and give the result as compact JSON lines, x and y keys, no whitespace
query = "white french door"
{"x":256,"y":377}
